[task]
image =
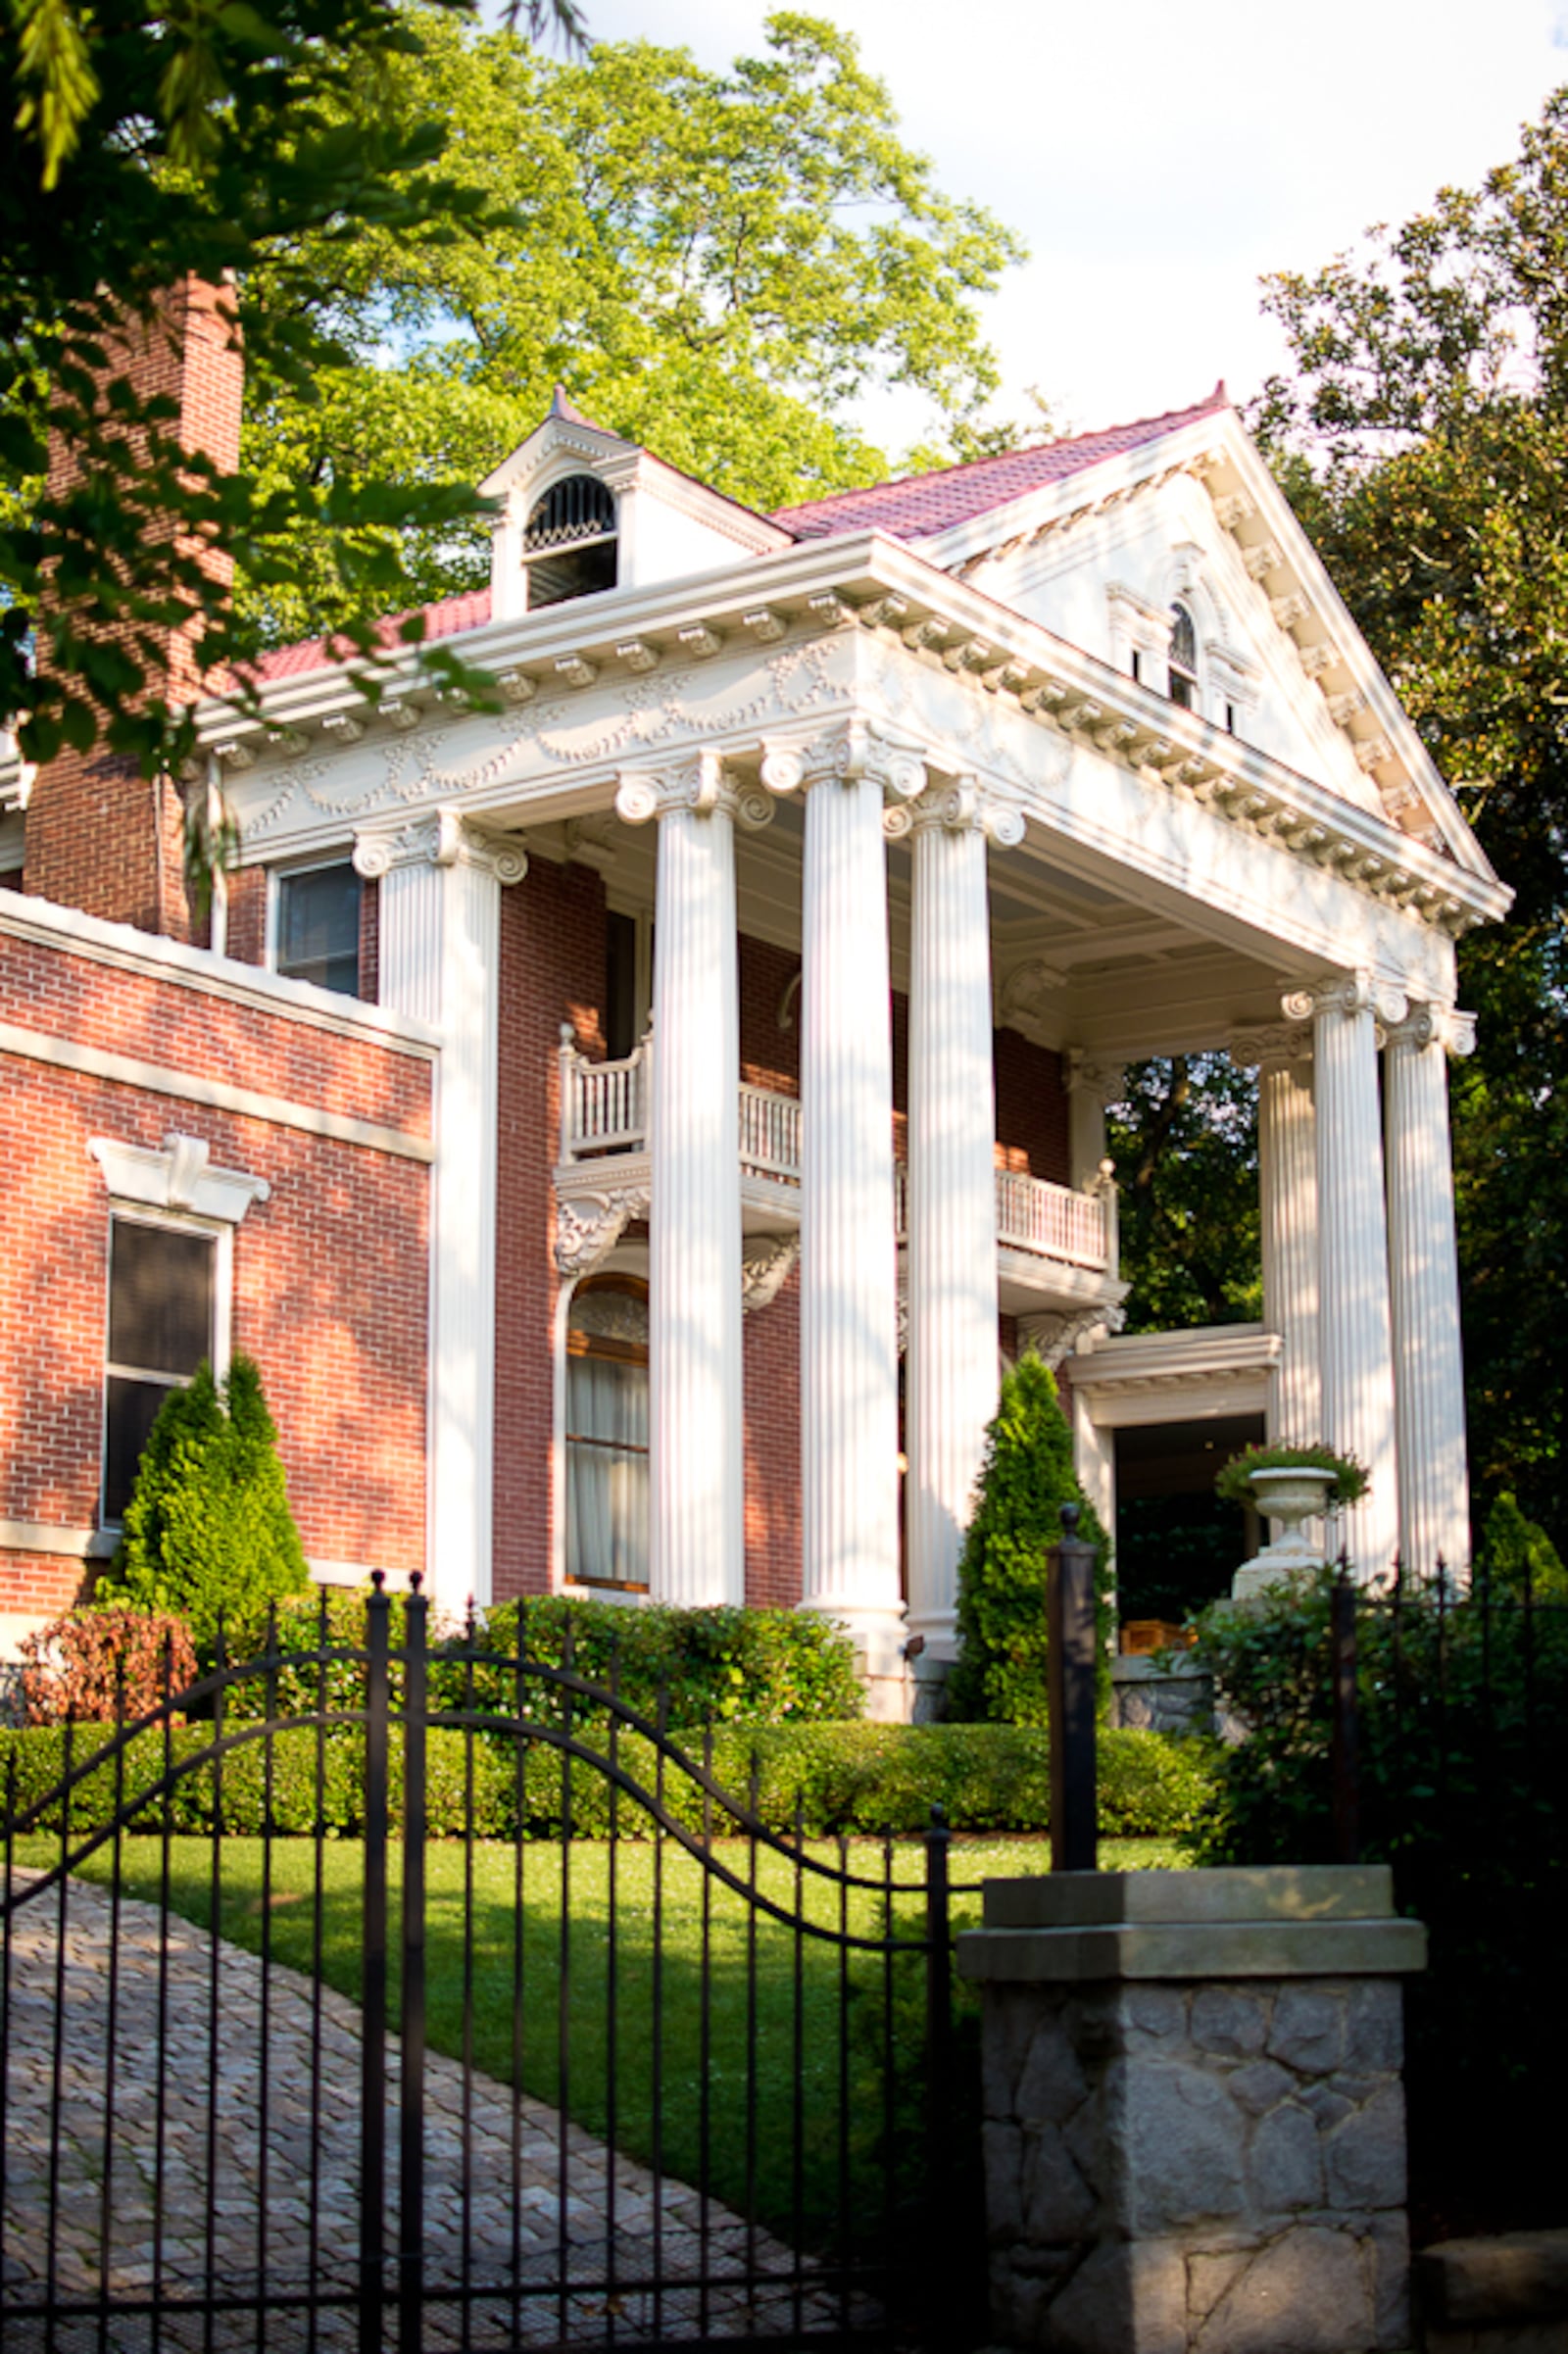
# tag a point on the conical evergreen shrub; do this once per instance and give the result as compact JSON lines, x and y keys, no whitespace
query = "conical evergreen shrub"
{"x":208,"y":1532}
{"x":1027,"y":1475}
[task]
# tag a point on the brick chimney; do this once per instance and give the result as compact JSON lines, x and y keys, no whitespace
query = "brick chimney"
{"x":99,"y":835}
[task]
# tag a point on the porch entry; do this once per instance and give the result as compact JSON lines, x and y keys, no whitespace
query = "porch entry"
{"x":371,"y":1993}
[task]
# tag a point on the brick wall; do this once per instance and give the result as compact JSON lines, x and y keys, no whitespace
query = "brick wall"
{"x":247,"y":915}
{"x":771,"y":1345}
{"x":100,"y":837}
{"x":1031,"y":1109}
{"x":330,"y":1273}
{"x":551,"y":971}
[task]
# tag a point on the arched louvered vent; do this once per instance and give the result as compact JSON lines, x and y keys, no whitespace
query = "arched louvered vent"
{"x":578,"y":509}
{"x":569,"y":548}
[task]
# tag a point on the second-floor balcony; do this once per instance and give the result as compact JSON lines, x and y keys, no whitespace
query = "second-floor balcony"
{"x":1052,"y":1238}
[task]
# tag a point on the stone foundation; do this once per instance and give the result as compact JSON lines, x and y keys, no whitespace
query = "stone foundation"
{"x":1185,"y":2154}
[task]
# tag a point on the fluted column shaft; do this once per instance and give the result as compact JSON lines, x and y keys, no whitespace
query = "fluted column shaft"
{"x":952,"y":1363}
{"x":696,"y":1499}
{"x":849,"y":1301}
{"x":1354,"y":1335}
{"x":1287,"y":1153}
{"x":440,"y":945}
{"x":1424,"y":1293}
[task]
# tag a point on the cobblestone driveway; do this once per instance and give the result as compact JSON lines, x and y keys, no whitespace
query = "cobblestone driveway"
{"x":309,"y":2110}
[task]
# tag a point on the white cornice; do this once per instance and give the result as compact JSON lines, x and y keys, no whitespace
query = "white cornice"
{"x":823,"y":588}
{"x":152,"y":954}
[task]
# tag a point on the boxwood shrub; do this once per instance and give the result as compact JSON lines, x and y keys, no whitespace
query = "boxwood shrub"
{"x":854,"y":1778}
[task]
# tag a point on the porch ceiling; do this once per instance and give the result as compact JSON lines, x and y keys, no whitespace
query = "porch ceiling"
{"x":1077,"y":961}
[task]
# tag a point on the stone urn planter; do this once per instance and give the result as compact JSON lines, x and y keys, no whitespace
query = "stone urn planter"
{"x":1291,"y":1492}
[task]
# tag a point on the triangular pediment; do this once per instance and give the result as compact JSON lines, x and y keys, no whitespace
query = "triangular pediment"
{"x":1186,"y":512}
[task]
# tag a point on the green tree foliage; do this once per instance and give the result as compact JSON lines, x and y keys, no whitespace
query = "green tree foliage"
{"x":718,"y":265}
{"x":1184,"y":1138}
{"x":1520,"y":1557}
{"x":208,"y":1535}
{"x":1424,"y":438}
{"x":1026,"y":1478}
{"x":145,"y":146}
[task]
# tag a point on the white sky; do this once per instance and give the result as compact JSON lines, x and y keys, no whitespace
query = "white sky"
{"x":1158,"y":155}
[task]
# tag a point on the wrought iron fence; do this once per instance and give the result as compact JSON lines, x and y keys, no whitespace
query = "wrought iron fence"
{"x":322,"y":2024}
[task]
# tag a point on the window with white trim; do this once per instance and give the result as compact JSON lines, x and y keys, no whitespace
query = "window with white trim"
{"x":163,"y":1321}
{"x":317,"y":926}
{"x":606,"y":1434}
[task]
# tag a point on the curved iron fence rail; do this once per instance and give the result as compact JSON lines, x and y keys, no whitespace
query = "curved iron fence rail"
{"x":691,"y":2084}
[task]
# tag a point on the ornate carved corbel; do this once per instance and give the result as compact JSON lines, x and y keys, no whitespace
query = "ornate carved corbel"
{"x":588,"y":1226}
{"x":1056,"y":1333}
{"x":766,"y":1260}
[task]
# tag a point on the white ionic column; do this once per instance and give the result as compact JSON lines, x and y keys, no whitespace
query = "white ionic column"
{"x":1287,"y":1168}
{"x":849,"y":1269}
{"x":1424,"y":1291}
{"x":696,"y":1550}
{"x":440,"y":953}
{"x":1355,"y":1351}
{"x":952,"y":1365}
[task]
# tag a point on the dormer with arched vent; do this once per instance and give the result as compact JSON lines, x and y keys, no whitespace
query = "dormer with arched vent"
{"x":570,"y":542}
{"x":586,"y":513}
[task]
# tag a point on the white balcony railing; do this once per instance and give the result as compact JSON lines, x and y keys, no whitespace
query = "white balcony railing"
{"x":604,"y":1110}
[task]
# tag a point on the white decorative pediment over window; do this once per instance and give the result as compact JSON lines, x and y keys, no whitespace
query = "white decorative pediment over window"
{"x":180,"y":1177}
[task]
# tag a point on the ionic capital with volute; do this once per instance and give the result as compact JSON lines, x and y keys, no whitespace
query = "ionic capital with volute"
{"x":1350,"y":994}
{"x":1091,"y":1075}
{"x":1262,"y":1044}
{"x":444,"y":840}
{"x":957,"y":806}
{"x":850,"y":754}
{"x":701,"y":787}
{"x":1441,"y":1026}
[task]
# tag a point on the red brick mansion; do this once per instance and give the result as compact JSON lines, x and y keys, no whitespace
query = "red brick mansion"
{"x":630,"y":1128}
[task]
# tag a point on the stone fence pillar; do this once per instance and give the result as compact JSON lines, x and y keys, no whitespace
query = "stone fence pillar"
{"x":1194,"y":2114}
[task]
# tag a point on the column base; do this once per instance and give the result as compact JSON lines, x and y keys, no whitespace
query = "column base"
{"x":879,"y":1636}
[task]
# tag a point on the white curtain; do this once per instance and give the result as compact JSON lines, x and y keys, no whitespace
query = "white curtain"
{"x":607,"y":1470}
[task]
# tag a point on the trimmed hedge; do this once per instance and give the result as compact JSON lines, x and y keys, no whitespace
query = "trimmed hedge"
{"x":879,"y":1779}
{"x":765,"y":1667}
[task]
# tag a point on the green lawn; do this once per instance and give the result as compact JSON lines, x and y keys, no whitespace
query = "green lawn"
{"x":479,"y":1896}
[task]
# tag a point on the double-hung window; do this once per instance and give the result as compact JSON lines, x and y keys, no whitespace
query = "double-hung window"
{"x":163,"y":1320}
{"x":606,"y":1434}
{"x":317,"y":935}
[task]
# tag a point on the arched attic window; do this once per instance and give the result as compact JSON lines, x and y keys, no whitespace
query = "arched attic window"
{"x":1183,"y":676}
{"x":568,"y":547}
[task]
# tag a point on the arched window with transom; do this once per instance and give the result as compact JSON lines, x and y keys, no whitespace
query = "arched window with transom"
{"x":569,"y":545}
{"x":607,"y":1433}
{"x":1183,"y":686}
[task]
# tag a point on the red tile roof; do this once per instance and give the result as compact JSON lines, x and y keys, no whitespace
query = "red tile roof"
{"x":448,"y":620}
{"x":922,"y":504}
